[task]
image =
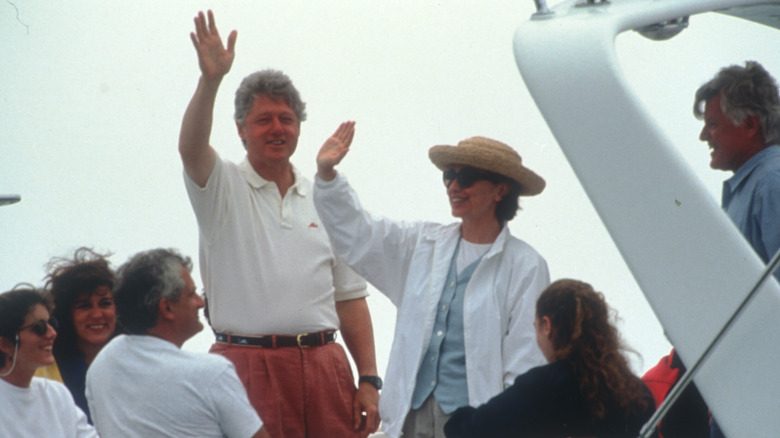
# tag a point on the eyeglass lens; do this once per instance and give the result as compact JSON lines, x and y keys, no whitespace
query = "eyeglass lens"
{"x":41,"y":326}
{"x":466,"y":177}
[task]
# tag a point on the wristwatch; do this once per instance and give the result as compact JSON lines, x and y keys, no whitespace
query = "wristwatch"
{"x":374,"y":381}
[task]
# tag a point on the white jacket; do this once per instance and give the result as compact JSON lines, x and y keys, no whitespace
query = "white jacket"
{"x":409,"y":262}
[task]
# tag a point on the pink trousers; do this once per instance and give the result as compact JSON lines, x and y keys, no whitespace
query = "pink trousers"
{"x":298,"y":392}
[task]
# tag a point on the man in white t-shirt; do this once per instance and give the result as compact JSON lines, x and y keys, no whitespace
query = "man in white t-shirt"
{"x":142,"y":384}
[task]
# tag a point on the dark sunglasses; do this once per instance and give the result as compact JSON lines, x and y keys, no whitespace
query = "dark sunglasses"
{"x":467,"y":176}
{"x":41,"y":326}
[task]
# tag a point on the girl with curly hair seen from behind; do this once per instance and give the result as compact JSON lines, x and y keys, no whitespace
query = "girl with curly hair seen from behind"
{"x":586,"y":389}
{"x":81,"y":290}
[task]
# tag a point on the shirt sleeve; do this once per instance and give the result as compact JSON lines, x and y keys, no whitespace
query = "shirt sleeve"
{"x":348,"y":284}
{"x":72,"y":415}
{"x":237,"y":418}
{"x":377,"y":248}
{"x":204,"y":199}
{"x":516,"y":411}
{"x":520,"y":349}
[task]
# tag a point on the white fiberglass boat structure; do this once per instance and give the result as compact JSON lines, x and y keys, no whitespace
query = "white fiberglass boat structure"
{"x":691,"y":262}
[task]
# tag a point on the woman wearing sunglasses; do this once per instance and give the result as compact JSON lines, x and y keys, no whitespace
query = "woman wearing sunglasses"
{"x":81,"y":290}
{"x":587,"y":389}
{"x":465,"y":292}
{"x":31,"y":406}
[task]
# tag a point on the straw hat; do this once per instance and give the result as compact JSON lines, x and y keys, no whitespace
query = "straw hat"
{"x":484,"y":153}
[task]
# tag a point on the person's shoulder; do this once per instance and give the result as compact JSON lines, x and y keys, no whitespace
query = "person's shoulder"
{"x":52,"y":388}
{"x":769,"y":162}
{"x":518,"y":249}
{"x":768,"y":175}
{"x":119,"y":342}
{"x":554,"y":374}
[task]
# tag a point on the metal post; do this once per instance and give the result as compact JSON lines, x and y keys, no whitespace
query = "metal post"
{"x":541,"y":7}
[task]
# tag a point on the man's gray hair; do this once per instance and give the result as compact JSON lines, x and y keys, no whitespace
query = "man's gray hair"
{"x":272,"y":83}
{"x":747,"y":91}
{"x":144,"y":280}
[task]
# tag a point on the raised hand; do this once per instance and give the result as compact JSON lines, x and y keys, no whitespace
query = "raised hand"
{"x":334,"y":149}
{"x":214,"y":60}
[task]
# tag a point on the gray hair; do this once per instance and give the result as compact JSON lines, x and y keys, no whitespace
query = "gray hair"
{"x":272,"y":83}
{"x":144,"y":280}
{"x":747,"y":91}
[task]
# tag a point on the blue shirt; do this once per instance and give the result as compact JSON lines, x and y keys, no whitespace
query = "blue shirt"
{"x":751,"y":198}
{"x":443,"y":369}
{"x":73,"y":369}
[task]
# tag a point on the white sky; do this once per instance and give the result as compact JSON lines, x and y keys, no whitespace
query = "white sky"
{"x":92,"y":94}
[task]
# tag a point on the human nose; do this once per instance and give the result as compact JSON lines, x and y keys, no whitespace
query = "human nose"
{"x":276,"y":125}
{"x":50,"y":331}
{"x":704,"y":135}
{"x":95,"y":312}
{"x":453,"y":186}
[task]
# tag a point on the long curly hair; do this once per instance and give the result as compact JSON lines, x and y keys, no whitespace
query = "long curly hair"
{"x":67,"y":280}
{"x":583,"y":334}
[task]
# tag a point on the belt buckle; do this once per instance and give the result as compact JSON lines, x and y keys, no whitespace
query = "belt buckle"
{"x":298,"y":338}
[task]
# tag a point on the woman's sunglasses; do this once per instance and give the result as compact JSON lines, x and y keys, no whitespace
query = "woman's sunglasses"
{"x":467,"y":176}
{"x":41,"y":326}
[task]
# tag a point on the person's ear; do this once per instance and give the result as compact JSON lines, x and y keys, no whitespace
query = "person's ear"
{"x":240,"y":129}
{"x":545,"y":326}
{"x":752,"y":125}
{"x":164,"y":307}
{"x":503,"y":190}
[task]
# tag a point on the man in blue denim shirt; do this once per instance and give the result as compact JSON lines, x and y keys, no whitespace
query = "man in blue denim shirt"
{"x":740,"y":107}
{"x":741,"y":112}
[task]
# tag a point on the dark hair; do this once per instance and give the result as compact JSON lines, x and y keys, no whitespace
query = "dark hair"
{"x":14,"y":307}
{"x":507,"y":207}
{"x":582,"y":333}
{"x":747,"y":91}
{"x":143,"y":281}
{"x":67,"y":280}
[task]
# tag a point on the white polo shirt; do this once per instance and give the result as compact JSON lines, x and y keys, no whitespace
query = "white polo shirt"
{"x":266,"y":261}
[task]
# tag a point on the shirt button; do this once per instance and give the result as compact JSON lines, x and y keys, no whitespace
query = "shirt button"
{"x":440,"y":333}
{"x":443,"y":307}
{"x":452,"y":284}
{"x":433,"y":383}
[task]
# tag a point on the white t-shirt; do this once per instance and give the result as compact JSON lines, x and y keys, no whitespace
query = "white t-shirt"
{"x":143,"y":386}
{"x":45,"y":409}
{"x":266,"y":260}
{"x":469,"y":253}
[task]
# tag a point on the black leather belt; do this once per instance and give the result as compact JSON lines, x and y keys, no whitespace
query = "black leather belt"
{"x":303,"y":340}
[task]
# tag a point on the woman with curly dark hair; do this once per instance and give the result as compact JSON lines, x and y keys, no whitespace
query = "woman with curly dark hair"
{"x":587,"y":389}
{"x":81,"y":290}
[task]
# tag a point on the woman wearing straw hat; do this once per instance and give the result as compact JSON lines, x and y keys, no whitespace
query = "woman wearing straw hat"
{"x":465,"y":292}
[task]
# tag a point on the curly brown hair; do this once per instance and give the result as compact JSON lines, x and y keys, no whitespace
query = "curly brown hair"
{"x":583,"y":334}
